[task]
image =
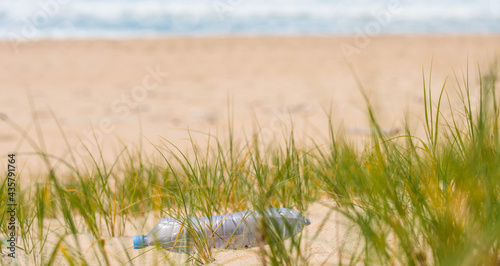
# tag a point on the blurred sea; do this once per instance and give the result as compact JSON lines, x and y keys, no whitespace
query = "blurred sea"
{"x":35,"y":19}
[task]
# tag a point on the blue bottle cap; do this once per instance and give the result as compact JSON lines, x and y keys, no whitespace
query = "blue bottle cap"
{"x":138,"y":241}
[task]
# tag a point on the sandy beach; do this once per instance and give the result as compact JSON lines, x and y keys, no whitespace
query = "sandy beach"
{"x":321,"y":243}
{"x":180,"y":83}
{"x":128,"y":92}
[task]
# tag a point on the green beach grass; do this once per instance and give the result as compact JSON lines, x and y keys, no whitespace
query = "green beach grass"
{"x":414,"y":201}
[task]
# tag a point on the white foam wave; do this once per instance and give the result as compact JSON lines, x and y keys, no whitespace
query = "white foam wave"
{"x":76,"y":18}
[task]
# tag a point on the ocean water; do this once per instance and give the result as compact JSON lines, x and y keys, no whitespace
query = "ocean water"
{"x":35,"y":19}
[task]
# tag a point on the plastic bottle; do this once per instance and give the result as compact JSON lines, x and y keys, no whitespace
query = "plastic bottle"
{"x":235,"y":230}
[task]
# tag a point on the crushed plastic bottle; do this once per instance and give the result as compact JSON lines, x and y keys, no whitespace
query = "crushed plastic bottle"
{"x":235,"y":230}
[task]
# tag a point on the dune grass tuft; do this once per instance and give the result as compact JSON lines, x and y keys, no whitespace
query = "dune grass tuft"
{"x":415,"y":201}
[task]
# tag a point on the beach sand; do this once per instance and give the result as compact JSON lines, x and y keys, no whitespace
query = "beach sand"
{"x":121,"y":90}
{"x":321,"y":241}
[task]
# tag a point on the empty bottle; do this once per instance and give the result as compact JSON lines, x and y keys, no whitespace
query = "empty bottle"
{"x":235,"y":230}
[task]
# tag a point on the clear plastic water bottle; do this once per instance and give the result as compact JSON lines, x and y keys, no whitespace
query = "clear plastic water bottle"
{"x":235,"y":230}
